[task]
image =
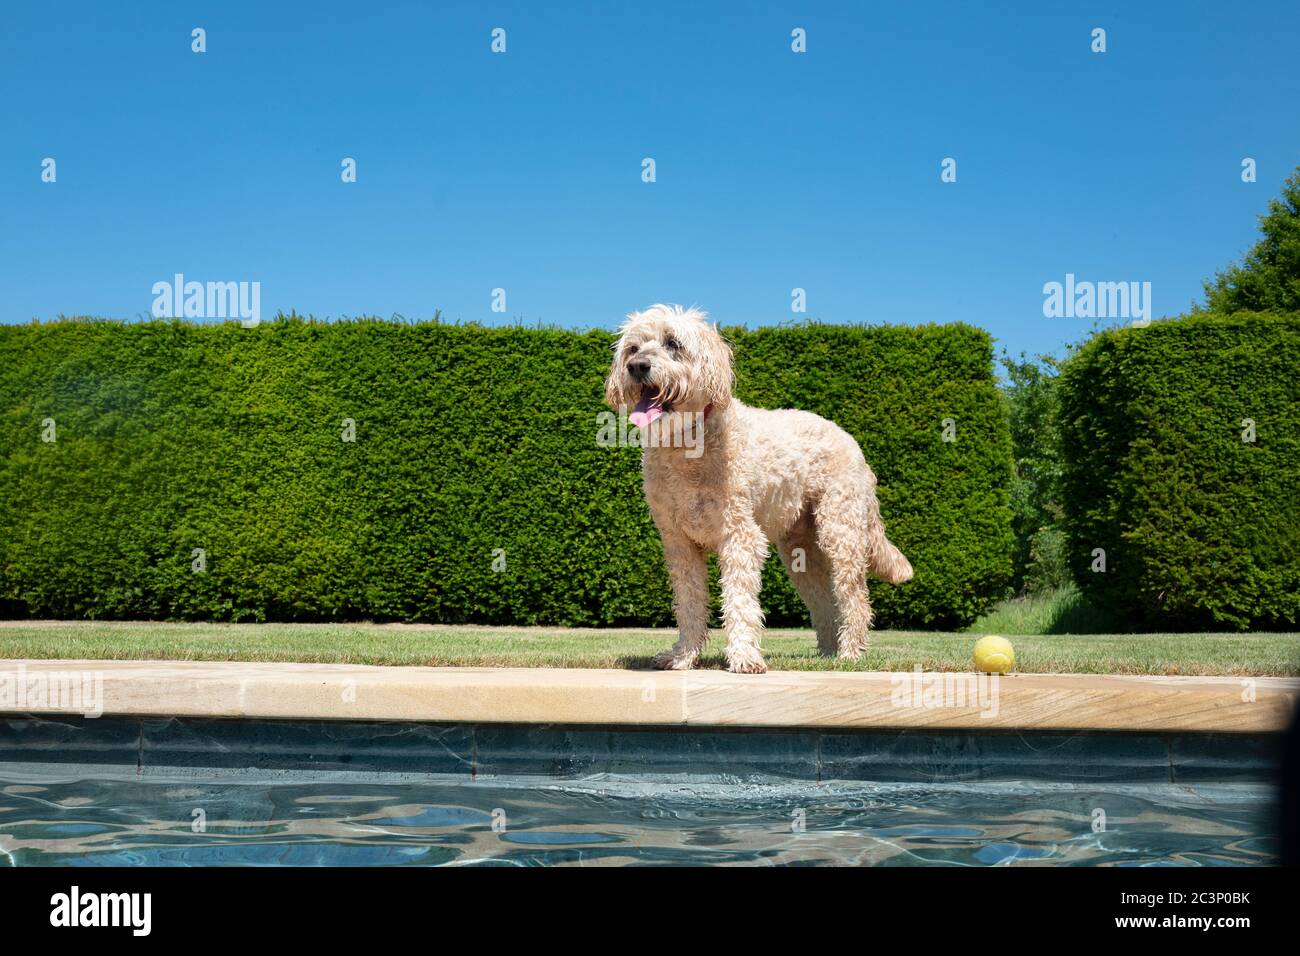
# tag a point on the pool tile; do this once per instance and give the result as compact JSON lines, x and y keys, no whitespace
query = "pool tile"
{"x":578,"y":752}
{"x":364,"y":747}
{"x":545,"y":751}
{"x":70,"y":741}
{"x":743,"y":756}
{"x":899,"y":757}
{"x":1221,"y":758}
{"x":926,"y":757}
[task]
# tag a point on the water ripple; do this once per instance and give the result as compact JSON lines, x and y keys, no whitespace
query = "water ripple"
{"x":507,"y":822}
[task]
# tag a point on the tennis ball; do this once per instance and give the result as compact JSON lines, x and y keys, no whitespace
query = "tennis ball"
{"x":994,"y":655}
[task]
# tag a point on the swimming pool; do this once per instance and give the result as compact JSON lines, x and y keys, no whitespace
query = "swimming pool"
{"x":175,"y":792}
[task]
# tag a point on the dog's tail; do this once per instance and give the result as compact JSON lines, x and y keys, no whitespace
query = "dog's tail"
{"x":883,"y":558}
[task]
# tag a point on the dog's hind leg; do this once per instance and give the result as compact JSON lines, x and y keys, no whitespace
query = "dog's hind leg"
{"x":842,"y":517}
{"x":810,"y":572}
{"x":689,"y":572}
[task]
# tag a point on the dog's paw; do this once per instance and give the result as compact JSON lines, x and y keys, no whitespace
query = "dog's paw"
{"x":747,"y":660}
{"x":670,"y":661}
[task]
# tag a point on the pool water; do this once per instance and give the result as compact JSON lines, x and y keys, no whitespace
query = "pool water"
{"x":172,"y":792}
{"x":113,"y":823}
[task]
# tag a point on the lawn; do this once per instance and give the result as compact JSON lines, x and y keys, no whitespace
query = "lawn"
{"x":1061,"y":611}
{"x":1231,"y":654}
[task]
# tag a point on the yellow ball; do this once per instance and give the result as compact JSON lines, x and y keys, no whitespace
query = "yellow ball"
{"x":994,"y":655}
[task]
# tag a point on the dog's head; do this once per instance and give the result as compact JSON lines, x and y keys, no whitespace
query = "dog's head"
{"x":668,"y":359}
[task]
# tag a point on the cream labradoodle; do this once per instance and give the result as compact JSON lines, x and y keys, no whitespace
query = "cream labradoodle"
{"x":725,"y":478}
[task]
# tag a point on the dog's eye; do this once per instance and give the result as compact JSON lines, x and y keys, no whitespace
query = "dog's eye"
{"x":672,"y":345}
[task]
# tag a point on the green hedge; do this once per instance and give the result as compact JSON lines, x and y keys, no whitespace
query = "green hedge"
{"x":172,"y":437}
{"x":1199,"y":528}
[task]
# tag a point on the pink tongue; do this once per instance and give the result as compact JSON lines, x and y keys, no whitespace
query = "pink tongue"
{"x":645,"y":412}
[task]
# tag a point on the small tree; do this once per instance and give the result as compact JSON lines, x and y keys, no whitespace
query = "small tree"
{"x":1031,"y":402}
{"x":1269,"y":278}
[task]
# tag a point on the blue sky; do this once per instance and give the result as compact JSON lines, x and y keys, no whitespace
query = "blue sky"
{"x":522,"y":171}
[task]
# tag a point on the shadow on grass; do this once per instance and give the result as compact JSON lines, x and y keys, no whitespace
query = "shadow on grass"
{"x":1078,"y":616}
{"x":1064,"y":611}
{"x":645,"y":662}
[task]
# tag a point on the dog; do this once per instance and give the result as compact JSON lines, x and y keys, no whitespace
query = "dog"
{"x":749,"y":477}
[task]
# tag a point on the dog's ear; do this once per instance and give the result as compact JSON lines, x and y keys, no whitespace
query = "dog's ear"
{"x":718,"y":379}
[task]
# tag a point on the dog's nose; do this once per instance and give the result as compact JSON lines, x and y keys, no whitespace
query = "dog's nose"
{"x":639,"y":370}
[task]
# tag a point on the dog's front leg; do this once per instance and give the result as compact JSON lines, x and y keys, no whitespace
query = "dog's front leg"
{"x":740,"y":559}
{"x":689,"y":572}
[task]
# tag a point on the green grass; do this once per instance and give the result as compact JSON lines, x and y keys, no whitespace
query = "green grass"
{"x":1061,"y":611}
{"x":1231,"y":654}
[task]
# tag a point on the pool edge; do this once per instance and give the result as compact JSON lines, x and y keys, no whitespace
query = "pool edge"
{"x":936,"y":701}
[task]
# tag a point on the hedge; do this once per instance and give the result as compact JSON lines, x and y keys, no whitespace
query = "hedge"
{"x":180,"y":446}
{"x":1199,"y":527}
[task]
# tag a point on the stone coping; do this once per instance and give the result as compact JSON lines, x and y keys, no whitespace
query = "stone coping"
{"x":701,"y":698}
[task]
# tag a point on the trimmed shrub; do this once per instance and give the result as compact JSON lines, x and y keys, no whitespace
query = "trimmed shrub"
{"x":201,"y":472}
{"x":1200,"y":526}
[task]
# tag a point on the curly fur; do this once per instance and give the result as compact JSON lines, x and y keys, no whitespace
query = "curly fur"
{"x":785,"y":477}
